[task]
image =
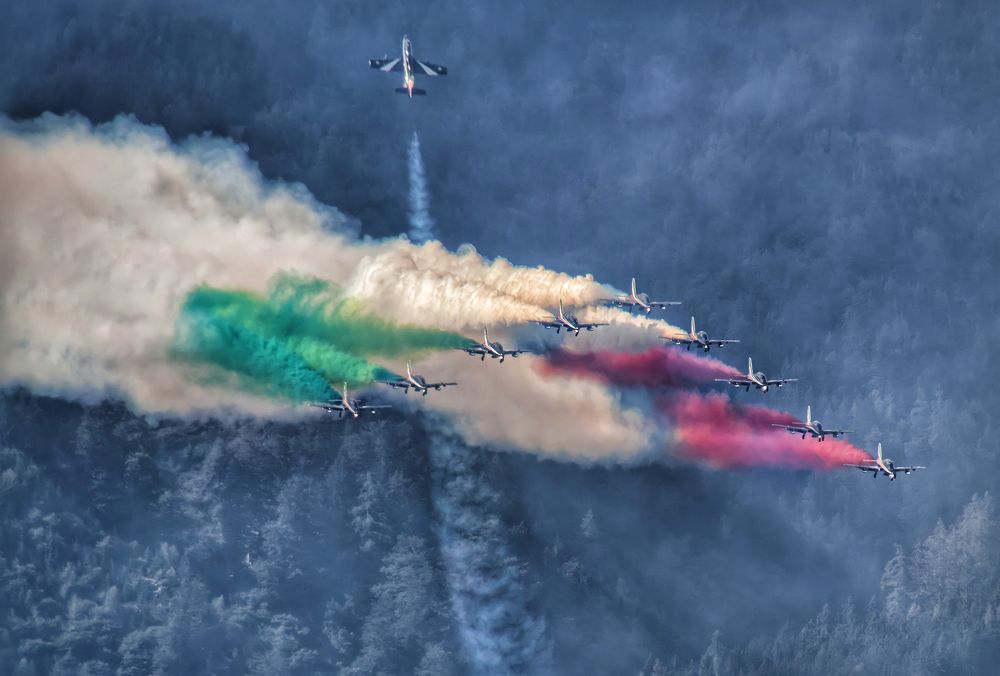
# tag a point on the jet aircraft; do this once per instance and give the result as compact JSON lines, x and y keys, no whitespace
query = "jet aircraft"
{"x":418,"y":383}
{"x":758,"y":380}
{"x":494,"y":350}
{"x":348,"y":405}
{"x":701,"y":339}
{"x":639,"y":301}
{"x":568,"y":322}
{"x":885,"y":466}
{"x":814,"y":428}
{"x":409,"y":67}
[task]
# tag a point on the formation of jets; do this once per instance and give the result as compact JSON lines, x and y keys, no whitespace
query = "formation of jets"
{"x":634,"y":301}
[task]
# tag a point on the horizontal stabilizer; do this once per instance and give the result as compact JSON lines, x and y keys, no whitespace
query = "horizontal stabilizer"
{"x":416,"y":92}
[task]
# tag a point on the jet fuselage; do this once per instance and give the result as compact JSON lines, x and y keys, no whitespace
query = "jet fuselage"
{"x":407,"y":70}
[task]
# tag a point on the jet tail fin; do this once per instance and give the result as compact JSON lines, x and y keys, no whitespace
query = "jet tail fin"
{"x":750,"y":366}
{"x":561,"y":315}
{"x":409,"y":374}
{"x":809,"y":416}
{"x":693,"y":332}
{"x":486,"y":336}
{"x":880,"y":451}
{"x":633,"y":287}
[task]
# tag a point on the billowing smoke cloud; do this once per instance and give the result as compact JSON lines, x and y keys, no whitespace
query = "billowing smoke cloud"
{"x":516,"y":405}
{"x":655,"y":367}
{"x":498,"y":633}
{"x":710,"y":429}
{"x":176,"y":278}
{"x":421,"y":223}
{"x":431,"y":286}
{"x":105,"y":233}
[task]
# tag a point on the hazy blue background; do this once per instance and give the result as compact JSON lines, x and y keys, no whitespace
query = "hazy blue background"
{"x":818,"y":179}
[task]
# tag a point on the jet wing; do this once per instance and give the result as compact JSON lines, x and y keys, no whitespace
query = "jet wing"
{"x":620,"y":301}
{"x":405,"y":384}
{"x":372,"y":406}
{"x":548,"y":323}
{"x":836,"y":433}
{"x":794,"y":429}
{"x":473,"y":349}
{"x":737,"y":382}
{"x":864,"y":468}
{"x":514,"y":353}
{"x":424,"y":68}
{"x":438,"y":386}
{"x":591,"y":327}
{"x":329,"y":407}
{"x":387,"y":65}
{"x":663,"y":304}
{"x":680,"y":341}
{"x":907,"y":470}
{"x":782,"y":381}
{"x":719,"y":342}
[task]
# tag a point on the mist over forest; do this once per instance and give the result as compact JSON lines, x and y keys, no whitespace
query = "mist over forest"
{"x":817,"y":180}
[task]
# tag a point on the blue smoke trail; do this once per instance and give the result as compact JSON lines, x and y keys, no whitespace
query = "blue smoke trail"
{"x":498,"y":633}
{"x":421,"y":223}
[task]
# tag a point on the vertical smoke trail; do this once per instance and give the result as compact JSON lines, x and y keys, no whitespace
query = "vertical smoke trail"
{"x":497,"y":631}
{"x":421,"y":224}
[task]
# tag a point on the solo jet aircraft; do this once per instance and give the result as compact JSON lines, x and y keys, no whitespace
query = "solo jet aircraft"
{"x":701,"y":339}
{"x":568,"y":322}
{"x":348,"y":405}
{"x":418,"y":383}
{"x":814,"y":428}
{"x":639,"y":301}
{"x":885,"y":466}
{"x":494,"y":350}
{"x":758,"y":380}
{"x":409,"y":67}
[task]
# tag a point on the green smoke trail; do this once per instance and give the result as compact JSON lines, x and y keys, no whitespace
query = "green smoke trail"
{"x":303,"y":332}
{"x":263,"y":365}
{"x":316,"y":308}
{"x":257,"y":330}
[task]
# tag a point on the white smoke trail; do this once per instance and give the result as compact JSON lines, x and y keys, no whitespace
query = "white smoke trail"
{"x":103,"y":232}
{"x":498,"y":633}
{"x":421,"y":223}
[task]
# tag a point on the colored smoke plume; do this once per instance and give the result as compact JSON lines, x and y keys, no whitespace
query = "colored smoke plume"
{"x":655,"y":367}
{"x":301,"y":321}
{"x":106,"y":231}
{"x":243,"y":358}
{"x":710,"y":429}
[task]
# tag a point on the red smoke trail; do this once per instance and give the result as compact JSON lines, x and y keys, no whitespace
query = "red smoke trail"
{"x":656,"y":367}
{"x":713,"y":430}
